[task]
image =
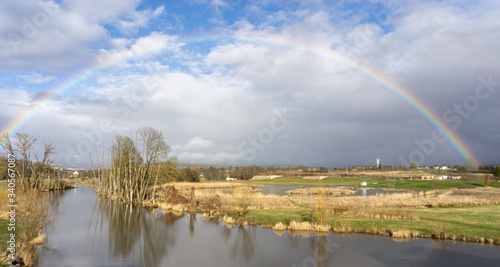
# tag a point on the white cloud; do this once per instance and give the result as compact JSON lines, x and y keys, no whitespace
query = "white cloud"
{"x":224,"y":93}
{"x":195,"y":143}
{"x":48,"y":36}
{"x":146,"y":47}
{"x":138,"y":19}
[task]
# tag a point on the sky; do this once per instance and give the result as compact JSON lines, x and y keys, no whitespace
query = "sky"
{"x":270,"y":83}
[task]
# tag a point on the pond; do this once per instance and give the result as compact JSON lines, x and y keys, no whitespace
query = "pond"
{"x":96,"y":232}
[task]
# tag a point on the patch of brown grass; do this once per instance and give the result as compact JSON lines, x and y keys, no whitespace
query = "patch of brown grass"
{"x":321,"y":191}
{"x":381,"y":213}
{"x":255,"y":200}
{"x":434,"y":198}
{"x":302,"y":226}
{"x":212,"y":185}
{"x":34,"y":215}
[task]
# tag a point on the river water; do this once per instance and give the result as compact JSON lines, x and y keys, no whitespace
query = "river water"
{"x":96,"y":232}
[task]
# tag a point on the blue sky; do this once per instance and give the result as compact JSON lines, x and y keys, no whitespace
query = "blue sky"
{"x":254,"y":82}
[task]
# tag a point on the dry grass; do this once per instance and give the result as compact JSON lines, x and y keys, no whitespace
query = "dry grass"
{"x":381,"y":213}
{"x":211,"y":185}
{"x":39,"y":240}
{"x":321,"y":191}
{"x":302,"y":226}
{"x":434,"y":198}
{"x":4,"y":201}
{"x":253,"y":198}
{"x":34,"y":214}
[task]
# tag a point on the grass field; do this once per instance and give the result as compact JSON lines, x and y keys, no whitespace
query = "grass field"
{"x":482,"y":221}
{"x":4,"y":236}
{"x":393,"y":183}
{"x":449,"y":213}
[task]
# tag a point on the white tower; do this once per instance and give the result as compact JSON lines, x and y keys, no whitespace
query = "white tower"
{"x":378,"y":163}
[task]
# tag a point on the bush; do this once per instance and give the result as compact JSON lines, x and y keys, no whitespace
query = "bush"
{"x":497,"y":171}
{"x":35,"y":215}
{"x":486,"y":180}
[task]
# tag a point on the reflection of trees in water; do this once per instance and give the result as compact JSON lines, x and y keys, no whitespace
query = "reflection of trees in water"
{"x":322,"y":250}
{"x":244,"y":245}
{"x":55,"y":200}
{"x":134,"y":235}
{"x":192,"y":219}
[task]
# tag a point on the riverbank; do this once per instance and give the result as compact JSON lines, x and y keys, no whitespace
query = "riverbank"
{"x":24,"y":224}
{"x":468,"y":224}
{"x":471,"y":215}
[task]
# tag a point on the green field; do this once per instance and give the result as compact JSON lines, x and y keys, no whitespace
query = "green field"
{"x":469,"y":221}
{"x":4,"y":236}
{"x":393,"y":183}
{"x":480,"y":221}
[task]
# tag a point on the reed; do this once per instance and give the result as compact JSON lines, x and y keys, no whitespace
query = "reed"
{"x":301,"y":226}
{"x":435,"y":198}
{"x":321,"y":191}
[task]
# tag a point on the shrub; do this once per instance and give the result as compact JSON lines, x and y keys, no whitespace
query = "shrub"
{"x":486,"y":180}
{"x":35,"y":215}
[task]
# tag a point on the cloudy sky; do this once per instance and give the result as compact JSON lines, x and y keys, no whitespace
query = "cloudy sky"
{"x":256,"y":82}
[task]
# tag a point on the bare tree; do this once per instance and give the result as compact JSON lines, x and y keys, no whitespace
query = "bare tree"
{"x":39,"y":168}
{"x":131,"y":165}
{"x":31,"y":168}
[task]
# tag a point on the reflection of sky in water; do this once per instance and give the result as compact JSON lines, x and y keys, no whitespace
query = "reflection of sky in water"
{"x":105,"y":233}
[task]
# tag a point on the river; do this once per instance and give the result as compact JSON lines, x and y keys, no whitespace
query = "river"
{"x":92,"y":231}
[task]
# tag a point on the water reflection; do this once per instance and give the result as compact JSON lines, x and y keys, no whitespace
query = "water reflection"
{"x":244,"y":244}
{"x":135,"y":236}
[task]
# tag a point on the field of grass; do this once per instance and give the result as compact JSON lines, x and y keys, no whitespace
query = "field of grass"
{"x":329,"y":181}
{"x":4,"y":236}
{"x":471,"y":214}
{"x":393,"y":183}
{"x":482,"y":221}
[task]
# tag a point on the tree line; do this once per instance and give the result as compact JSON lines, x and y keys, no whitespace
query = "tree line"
{"x":33,"y":166}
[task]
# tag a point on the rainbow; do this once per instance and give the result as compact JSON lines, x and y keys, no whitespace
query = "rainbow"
{"x":399,"y":91}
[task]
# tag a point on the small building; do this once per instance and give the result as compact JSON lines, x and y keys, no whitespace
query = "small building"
{"x":444,"y":167}
{"x":230,"y":179}
{"x":75,"y":174}
{"x":364,"y":184}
